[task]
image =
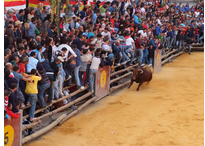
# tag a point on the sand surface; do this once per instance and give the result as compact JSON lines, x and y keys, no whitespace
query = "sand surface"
{"x":168,"y":111}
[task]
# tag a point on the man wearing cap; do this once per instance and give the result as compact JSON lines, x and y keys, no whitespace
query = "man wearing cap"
{"x":10,"y":15}
{"x":19,"y":32}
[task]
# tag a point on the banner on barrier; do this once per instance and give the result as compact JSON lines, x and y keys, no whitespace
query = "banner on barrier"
{"x":157,"y":60}
{"x":102,"y":82}
{"x":13,"y":131}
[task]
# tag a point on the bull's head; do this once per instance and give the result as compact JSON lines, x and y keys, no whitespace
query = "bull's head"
{"x":136,"y":71}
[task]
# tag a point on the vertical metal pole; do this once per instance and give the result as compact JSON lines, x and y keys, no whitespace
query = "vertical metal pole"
{"x":57,"y":20}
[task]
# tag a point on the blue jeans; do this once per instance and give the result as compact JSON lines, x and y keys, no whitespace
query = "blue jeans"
{"x":197,"y":36}
{"x":128,"y":50}
{"x":140,"y":55}
{"x":111,"y":56}
{"x":180,"y":43}
{"x":81,"y":73}
{"x":124,"y":56}
{"x":92,"y":78}
{"x":189,"y":49}
{"x":62,"y":75}
{"x":116,"y":30}
{"x":151,"y":60}
{"x":201,"y":38}
{"x":56,"y":91}
{"x":115,"y":50}
{"x":168,"y":41}
{"x":145,"y":56}
{"x":76,"y":73}
{"x":41,"y":90}
{"x":32,"y":99}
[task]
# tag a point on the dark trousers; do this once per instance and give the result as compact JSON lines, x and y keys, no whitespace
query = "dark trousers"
{"x":22,"y":86}
{"x":50,"y":89}
{"x":70,"y":68}
{"x":87,"y":74}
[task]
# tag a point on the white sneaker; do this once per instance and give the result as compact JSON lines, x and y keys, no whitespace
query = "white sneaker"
{"x":61,"y":94}
{"x":118,"y":64}
{"x":123,"y":62}
{"x":67,"y":90}
{"x":65,"y":101}
{"x":149,"y":65}
{"x":65,"y":93}
{"x":69,"y":77}
{"x":193,"y":43}
{"x":82,"y":87}
{"x":142,"y":64}
{"x":22,"y":105}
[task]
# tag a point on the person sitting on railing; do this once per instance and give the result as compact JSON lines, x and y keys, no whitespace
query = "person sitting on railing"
{"x":129,"y":48}
{"x":106,"y":47}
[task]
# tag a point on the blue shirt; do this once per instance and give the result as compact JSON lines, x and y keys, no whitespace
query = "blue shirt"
{"x":31,"y":29}
{"x":94,"y":18}
{"x":77,"y":25}
{"x":136,"y":19}
{"x":77,"y":59}
{"x":32,"y":64}
{"x":91,"y":34}
{"x":158,"y":30}
{"x":111,"y":9}
{"x":186,"y":8}
{"x":17,"y":76}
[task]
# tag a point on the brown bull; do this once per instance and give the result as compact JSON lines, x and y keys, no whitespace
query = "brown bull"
{"x":141,"y":75}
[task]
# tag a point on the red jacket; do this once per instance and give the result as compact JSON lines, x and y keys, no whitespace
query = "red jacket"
{"x":138,"y":44}
{"x":13,"y":115}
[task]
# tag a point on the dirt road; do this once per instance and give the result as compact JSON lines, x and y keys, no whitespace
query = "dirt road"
{"x":168,"y":111}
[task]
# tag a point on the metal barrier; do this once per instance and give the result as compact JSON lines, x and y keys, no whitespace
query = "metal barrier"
{"x":13,"y":131}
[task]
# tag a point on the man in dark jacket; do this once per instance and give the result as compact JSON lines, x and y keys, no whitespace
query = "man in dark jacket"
{"x":51,"y":30}
{"x":56,"y":71}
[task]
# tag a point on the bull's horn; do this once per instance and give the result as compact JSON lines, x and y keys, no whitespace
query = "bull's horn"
{"x":141,"y":71}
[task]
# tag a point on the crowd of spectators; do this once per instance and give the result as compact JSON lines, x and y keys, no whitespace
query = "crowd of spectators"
{"x":39,"y":63}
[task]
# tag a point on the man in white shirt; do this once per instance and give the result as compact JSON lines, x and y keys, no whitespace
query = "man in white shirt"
{"x":69,"y":49}
{"x":158,"y":21}
{"x":106,"y":32}
{"x":143,"y":33}
{"x":96,"y":63}
{"x":143,"y":9}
